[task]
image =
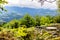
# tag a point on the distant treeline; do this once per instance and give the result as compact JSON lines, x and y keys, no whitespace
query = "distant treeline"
{"x":29,"y":21}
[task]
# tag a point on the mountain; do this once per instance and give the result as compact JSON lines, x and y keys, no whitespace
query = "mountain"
{"x":17,"y":12}
{"x":31,"y":11}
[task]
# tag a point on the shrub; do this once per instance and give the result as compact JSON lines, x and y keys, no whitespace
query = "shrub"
{"x":12,"y":24}
{"x":23,"y":33}
{"x":7,"y":35}
{"x":44,"y":20}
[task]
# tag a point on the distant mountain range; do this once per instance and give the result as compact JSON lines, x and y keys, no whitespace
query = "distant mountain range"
{"x":18,"y":12}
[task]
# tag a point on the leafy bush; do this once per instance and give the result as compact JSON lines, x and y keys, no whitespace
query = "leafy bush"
{"x":12,"y":24}
{"x":44,"y":20}
{"x":6,"y":35}
{"x":23,"y":33}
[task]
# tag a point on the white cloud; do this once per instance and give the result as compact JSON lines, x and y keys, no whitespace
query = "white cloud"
{"x":31,"y":4}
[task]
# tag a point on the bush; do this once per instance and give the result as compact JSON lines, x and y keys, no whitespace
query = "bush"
{"x":7,"y":35}
{"x":23,"y":33}
{"x":44,"y":20}
{"x":12,"y":24}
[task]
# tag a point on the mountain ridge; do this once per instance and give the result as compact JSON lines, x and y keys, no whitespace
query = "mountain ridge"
{"x":18,"y":12}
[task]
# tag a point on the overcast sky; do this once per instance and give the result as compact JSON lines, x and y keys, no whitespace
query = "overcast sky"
{"x":31,"y":4}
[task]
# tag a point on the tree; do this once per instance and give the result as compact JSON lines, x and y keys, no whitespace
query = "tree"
{"x":37,"y":18}
{"x":56,"y":19}
{"x":3,"y":1}
{"x":44,"y":20}
{"x":50,"y":18}
{"x":27,"y":20}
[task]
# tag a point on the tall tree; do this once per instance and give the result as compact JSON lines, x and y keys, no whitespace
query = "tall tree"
{"x":27,"y":20}
{"x":37,"y":18}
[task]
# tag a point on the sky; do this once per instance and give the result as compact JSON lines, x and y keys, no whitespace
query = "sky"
{"x":31,"y":4}
{"x":18,"y":8}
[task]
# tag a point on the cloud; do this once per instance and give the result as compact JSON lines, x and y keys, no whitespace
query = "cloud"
{"x":31,"y":4}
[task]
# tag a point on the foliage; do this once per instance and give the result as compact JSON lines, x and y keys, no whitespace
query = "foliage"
{"x":50,"y":18}
{"x":2,"y":2}
{"x":6,"y":35}
{"x":44,"y":20}
{"x":24,"y":29}
{"x":27,"y":20}
{"x":24,"y":33}
{"x":37,"y":18}
{"x":57,"y":38}
{"x":57,"y":19}
{"x":12,"y":24}
{"x":21,"y":32}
